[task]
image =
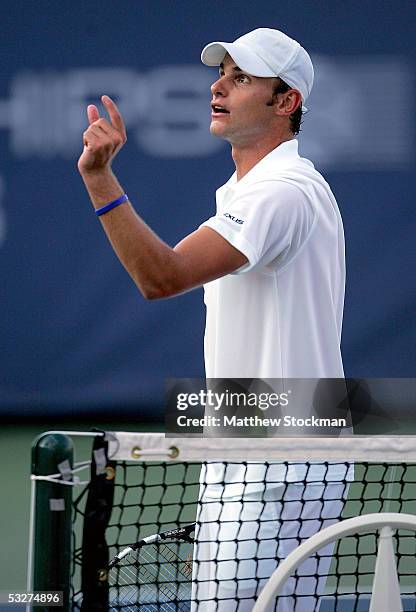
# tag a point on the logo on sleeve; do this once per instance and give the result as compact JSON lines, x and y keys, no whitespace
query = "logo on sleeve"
{"x":239,"y":221}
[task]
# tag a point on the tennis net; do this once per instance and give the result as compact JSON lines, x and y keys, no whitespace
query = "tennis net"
{"x":252,"y":501}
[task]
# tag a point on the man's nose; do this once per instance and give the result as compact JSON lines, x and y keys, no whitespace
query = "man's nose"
{"x":218,"y":88}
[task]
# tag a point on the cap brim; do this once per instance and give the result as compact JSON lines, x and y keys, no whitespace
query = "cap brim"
{"x":214,"y":53}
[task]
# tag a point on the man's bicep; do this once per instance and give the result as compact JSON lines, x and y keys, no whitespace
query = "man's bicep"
{"x":205,"y":255}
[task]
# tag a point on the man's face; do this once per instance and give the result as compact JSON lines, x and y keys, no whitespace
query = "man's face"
{"x":240,"y":105}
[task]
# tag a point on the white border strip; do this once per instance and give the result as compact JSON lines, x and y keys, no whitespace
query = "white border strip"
{"x":127,"y":446}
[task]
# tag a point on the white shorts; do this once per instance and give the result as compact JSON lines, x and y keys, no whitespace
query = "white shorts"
{"x":239,"y":544}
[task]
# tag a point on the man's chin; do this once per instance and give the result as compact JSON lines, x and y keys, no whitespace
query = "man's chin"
{"x":217,"y":129}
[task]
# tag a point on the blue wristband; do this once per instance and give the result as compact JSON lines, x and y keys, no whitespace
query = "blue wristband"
{"x":111,"y":205}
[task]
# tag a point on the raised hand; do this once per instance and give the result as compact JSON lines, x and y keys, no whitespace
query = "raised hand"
{"x":102,"y":139}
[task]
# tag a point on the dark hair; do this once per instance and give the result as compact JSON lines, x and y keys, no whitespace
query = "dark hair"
{"x":296,"y":117}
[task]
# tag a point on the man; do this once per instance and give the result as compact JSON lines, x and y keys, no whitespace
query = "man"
{"x":272,"y":262}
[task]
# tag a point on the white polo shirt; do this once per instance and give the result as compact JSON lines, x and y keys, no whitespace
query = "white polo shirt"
{"x":280,"y":315}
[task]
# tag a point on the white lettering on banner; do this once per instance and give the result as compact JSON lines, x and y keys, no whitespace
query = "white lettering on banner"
{"x":167,"y":111}
{"x":3,"y":225}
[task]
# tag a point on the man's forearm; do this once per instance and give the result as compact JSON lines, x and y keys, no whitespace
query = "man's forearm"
{"x":152,"y":264}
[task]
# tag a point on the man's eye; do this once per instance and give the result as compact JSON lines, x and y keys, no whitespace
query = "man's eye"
{"x":242,"y":78}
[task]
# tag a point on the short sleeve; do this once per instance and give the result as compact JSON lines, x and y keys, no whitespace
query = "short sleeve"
{"x":268,"y":222}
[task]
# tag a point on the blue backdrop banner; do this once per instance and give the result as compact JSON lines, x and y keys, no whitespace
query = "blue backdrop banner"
{"x":76,"y":336}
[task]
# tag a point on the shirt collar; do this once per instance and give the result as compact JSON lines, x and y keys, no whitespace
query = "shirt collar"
{"x":271,"y":164}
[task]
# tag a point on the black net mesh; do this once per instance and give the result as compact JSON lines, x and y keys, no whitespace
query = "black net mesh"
{"x":158,"y":576}
{"x":243,"y":529}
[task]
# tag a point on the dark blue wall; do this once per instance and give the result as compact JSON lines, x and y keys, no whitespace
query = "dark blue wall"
{"x":75,"y":334}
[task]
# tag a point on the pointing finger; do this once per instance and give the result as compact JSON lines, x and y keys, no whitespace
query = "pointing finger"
{"x":115,"y":116}
{"x":93,"y":114}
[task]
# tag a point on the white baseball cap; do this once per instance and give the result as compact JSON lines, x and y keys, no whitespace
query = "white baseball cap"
{"x":266,"y":53}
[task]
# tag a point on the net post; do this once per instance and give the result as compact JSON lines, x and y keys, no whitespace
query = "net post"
{"x":51,"y":523}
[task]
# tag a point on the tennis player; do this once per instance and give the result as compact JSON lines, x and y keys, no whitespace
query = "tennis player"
{"x":272,"y":264}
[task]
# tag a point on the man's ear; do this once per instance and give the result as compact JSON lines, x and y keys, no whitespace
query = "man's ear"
{"x":286,"y":103}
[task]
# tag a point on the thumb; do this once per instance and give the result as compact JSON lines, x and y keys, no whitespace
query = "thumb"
{"x":92,"y":113}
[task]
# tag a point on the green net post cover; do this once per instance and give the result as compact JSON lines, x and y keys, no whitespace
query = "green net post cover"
{"x":52,"y":454}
